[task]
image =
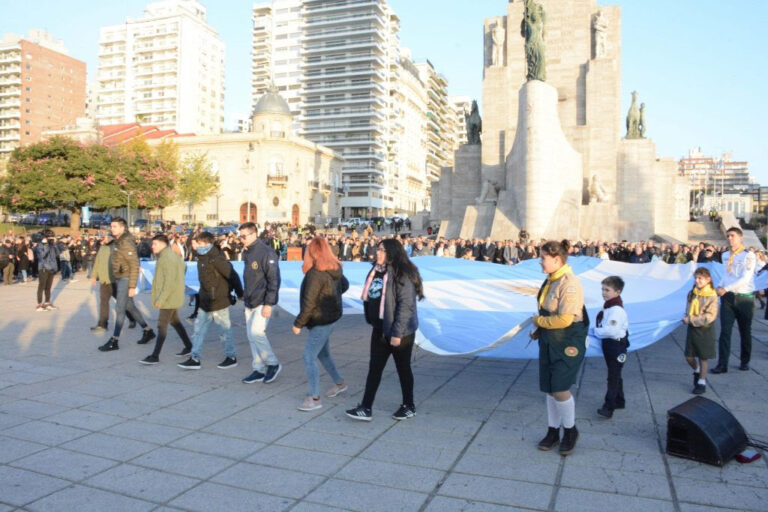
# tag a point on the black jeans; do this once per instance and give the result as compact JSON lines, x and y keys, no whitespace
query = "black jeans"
{"x":738,"y":308}
{"x":44,"y":285}
{"x":169,"y":316}
{"x":380,"y":352}
{"x":615,"y":353}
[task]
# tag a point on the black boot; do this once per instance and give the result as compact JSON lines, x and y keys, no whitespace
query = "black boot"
{"x":148,"y":335}
{"x":550,"y":440}
{"x":570,"y":435}
{"x":696,"y":376}
{"x":111,"y":344}
{"x":605,"y":412}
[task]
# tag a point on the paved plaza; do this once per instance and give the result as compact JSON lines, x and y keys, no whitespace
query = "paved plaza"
{"x":84,"y":430}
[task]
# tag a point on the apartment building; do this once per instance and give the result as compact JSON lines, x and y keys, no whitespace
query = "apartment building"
{"x":164,"y":69}
{"x":715,"y":174}
{"x":462,"y":105}
{"x":440,"y":120}
{"x":41,"y":88}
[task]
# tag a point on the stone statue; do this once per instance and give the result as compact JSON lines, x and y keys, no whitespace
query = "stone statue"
{"x":532,"y":29}
{"x":597,"y":193}
{"x":633,"y":119}
{"x":497,"y":37}
{"x":600,"y":34}
{"x":641,"y":123}
{"x":474,"y":124}
{"x":489,"y":193}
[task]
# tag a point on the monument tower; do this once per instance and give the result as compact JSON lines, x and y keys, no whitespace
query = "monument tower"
{"x":552,"y":158}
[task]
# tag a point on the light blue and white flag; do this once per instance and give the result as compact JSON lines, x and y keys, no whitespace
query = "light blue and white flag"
{"x":485,"y":309}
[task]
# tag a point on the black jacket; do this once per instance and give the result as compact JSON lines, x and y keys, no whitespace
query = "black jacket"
{"x":217,"y":278}
{"x":320,"y":298}
{"x":261,"y":275}
{"x":400,"y":314}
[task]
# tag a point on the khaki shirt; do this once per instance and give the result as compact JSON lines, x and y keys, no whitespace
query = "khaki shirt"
{"x":565,"y":297}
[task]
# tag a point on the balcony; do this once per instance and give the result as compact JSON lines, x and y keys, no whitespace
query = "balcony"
{"x":10,"y":92}
{"x":314,"y":185}
{"x":10,"y":70}
{"x":10,"y":59}
{"x":313,"y":8}
{"x":10,"y":137}
{"x":10,"y":104}
{"x":277,"y":180}
{"x":346,"y":46}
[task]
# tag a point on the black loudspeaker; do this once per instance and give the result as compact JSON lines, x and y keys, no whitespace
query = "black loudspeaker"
{"x":704,"y":431}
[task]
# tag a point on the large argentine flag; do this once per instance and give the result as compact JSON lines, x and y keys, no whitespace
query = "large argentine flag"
{"x":485,"y":309}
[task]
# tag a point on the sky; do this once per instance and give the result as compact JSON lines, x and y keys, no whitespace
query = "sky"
{"x":700,"y":66}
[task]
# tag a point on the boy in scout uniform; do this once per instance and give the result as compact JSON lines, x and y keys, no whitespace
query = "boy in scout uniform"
{"x":561,"y":328}
{"x":611,"y":327}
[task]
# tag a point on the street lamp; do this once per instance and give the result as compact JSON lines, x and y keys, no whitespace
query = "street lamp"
{"x":128,"y":208}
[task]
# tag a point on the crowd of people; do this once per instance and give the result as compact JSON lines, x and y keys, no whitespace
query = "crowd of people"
{"x":390,"y":295}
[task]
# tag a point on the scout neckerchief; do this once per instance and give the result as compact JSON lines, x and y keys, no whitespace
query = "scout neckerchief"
{"x":733,"y":255}
{"x":707,"y":291}
{"x":554,"y":276}
{"x":616,"y":301}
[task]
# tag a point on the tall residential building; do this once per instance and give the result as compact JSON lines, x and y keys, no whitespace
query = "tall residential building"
{"x":462,"y":105}
{"x":715,"y":175}
{"x":276,"y":53}
{"x":440,"y":121}
{"x":165,"y":69}
{"x":41,"y":88}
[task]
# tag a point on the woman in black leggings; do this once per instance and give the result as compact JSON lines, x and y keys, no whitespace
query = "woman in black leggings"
{"x":392,"y":288}
{"x":46,"y":253}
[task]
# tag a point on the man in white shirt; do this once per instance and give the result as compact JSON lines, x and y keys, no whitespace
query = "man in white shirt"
{"x":737,"y":300}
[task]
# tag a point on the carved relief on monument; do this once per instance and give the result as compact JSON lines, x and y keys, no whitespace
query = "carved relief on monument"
{"x":597,"y":192}
{"x":532,"y":29}
{"x":599,"y":35}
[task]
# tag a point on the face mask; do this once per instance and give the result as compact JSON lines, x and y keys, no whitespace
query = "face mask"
{"x":203,"y":249}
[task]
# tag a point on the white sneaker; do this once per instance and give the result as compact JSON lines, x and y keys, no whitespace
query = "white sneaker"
{"x":310,"y":404}
{"x":336,"y":390}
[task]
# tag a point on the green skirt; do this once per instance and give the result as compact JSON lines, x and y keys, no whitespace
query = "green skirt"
{"x":700,"y":342}
{"x":561,"y":352}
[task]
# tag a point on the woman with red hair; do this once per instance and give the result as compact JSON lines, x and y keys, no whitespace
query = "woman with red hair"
{"x":320,"y":300}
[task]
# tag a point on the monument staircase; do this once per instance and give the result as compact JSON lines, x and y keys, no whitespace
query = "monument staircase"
{"x":704,"y":230}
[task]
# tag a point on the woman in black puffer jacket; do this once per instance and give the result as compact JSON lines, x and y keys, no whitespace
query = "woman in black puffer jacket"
{"x":320,"y":299}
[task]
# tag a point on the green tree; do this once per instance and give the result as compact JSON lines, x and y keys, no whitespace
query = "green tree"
{"x":196,"y":181}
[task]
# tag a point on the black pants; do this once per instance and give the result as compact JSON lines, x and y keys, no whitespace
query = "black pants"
{"x":738,"y":308}
{"x":169,"y":316}
{"x":380,"y":352}
{"x":615,"y":353}
{"x":106,"y":290}
{"x":44,"y":285}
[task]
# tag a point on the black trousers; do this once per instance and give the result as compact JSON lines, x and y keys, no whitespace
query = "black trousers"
{"x":106,"y":290}
{"x":380,"y":352}
{"x":615,"y":353}
{"x":169,"y":316}
{"x":44,"y":284}
{"x":739,"y":309}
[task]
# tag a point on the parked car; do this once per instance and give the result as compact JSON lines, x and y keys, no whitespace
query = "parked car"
{"x":352,"y":223}
{"x":61,"y":219}
{"x":46,"y":219}
{"x":29,"y":218}
{"x":100,"y":221}
{"x":141,"y":224}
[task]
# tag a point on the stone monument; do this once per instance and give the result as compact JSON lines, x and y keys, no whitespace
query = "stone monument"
{"x":555,"y":149}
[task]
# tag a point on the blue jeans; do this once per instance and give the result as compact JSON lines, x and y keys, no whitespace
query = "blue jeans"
{"x":125,"y":303}
{"x":90,"y":269}
{"x":318,"y":346}
{"x":204,"y":319}
{"x":256,"y":330}
{"x":66,"y":270}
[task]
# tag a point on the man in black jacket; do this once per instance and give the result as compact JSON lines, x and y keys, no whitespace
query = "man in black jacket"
{"x":261,"y":276}
{"x":217,"y":278}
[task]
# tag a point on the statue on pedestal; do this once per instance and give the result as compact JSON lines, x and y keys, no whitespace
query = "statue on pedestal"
{"x":600,"y":34}
{"x":633,"y":119}
{"x":497,"y":38}
{"x":641,"y":126}
{"x":597,"y":193}
{"x":532,"y":29}
{"x":474,"y":124}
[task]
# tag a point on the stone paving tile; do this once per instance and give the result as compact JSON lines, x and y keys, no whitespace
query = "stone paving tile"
{"x":12,"y":449}
{"x":89,"y":420}
{"x":365,"y":497}
{"x":280,"y":482}
{"x":403,"y":477}
{"x":19,"y":487}
{"x":121,"y":408}
{"x":577,"y":500}
{"x":182,"y":462}
{"x":87,"y":499}
{"x":413,"y":454}
{"x":31,"y":409}
{"x":193,"y":420}
{"x":11,"y":420}
{"x":44,"y":432}
{"x":689,"y":507}
{"x":66,"y":398}
{"x":240,"y":429}
{"x":142,"y":483}
{"x":496,"y":490}
{"x":332,"y":443}
{"x":112,"y":447}
{"x":443,"y":504}
{"x":217,"y":445}
{"x":64,"y":464}
{"x":721,"y":494}
{"x":315,"y":507}
{"x":619,"y":482}
{"x":286,"y":457}
{"x":209,"y":496}
{"x":536,"y":471}
{"x":150,"y":432}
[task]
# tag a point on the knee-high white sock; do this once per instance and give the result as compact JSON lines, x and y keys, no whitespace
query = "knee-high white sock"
{"x":553,"y":415}
{"x":567,"y":411}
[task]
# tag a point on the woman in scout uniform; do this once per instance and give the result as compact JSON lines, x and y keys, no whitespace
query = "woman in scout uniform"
{"x":561,"y":328}
{"x":701,"y":313}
